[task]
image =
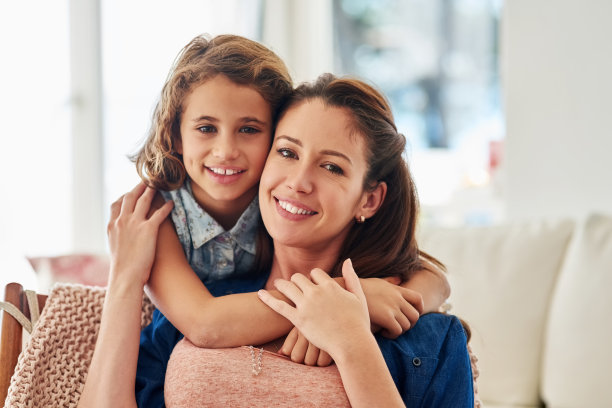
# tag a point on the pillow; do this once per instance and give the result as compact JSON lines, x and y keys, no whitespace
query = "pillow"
{"x":502,"y":278}
{"x":86,"y":269}
{"x":578,"y":355}
{"x":224,"y":378}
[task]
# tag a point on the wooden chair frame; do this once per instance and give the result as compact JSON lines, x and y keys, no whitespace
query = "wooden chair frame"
{"x":11,"y":335}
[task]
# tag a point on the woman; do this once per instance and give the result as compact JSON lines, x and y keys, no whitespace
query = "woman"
{"x":336,"y":158}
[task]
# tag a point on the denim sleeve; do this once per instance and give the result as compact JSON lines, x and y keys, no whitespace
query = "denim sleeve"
{"x":157,"y":341}
{"x":430,"y":363}
{"x":452,"y":383}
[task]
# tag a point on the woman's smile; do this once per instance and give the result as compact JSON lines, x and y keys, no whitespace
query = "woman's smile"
{"x":293,"y":210}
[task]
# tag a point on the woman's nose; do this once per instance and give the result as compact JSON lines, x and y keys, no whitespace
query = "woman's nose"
{"x":300,"y":179}
{"x":225,"y":147}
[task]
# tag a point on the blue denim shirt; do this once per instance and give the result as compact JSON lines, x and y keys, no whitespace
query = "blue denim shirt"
{"x":213,"y":252}
{"x":429,"y":363}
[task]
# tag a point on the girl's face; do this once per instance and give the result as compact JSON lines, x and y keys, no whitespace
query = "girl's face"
{"x":311,"y":189}
{"x":225,"y":139}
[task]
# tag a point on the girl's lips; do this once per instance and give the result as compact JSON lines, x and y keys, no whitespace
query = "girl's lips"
{"x":293,"y":210}
{"x":224,"y":175}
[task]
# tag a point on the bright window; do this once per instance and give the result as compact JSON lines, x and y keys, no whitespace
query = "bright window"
{"x":437,"y":62}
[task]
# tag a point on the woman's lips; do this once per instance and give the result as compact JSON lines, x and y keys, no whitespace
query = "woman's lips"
{"x":293,"y":210}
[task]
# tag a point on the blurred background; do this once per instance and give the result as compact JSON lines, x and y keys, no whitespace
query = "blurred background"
{"x":505,"y":105}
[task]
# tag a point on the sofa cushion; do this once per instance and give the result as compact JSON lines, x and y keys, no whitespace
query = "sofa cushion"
{"x":578,"y":355}
{"x":502,"y":278}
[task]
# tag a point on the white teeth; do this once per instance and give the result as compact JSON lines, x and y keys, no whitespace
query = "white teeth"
{"x":293,"y":210}
{"x":224,"y":172}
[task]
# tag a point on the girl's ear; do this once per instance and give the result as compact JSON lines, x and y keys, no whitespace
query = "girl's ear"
{"x":373,"y":201}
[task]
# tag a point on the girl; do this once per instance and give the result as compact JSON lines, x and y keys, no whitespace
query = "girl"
{"x":211,"y":134}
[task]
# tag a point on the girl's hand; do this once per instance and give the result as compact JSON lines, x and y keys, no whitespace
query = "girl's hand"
{"x":329,"y":316}
{"x":393,"y":308}
{"x":132,"y":235}
{"x":300,"y":350}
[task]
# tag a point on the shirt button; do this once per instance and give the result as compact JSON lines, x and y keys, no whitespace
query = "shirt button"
{"x":223,"y":264}
{"x":416,"y":362}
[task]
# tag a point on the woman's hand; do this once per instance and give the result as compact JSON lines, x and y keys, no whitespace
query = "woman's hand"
{"x":132,"y":234}
{"x":329,"y":316}
{"x":392,"y":308}
{"x":300,"y":350}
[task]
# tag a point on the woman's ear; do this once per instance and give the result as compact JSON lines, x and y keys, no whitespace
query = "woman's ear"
{"x":373,"y":200}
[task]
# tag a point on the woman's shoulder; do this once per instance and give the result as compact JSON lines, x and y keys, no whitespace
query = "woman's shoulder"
{"x":431,"y":362}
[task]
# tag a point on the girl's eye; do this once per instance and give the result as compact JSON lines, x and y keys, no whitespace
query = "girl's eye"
{"x":248,"y":129}
{"x":333,"y":169}
{"x":207,"y":129}
{"x":287,"y":153}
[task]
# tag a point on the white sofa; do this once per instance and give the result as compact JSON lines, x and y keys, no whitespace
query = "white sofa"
{"x":537,"y":297}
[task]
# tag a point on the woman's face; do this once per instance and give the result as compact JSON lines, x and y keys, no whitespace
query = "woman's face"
{"x":311,"y":189}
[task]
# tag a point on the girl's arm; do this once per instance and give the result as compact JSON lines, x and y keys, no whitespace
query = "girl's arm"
{"x":207,"y":321}
{"x":112,"y":372}
{"x":395,"y":308}
{"x":336,"y":320}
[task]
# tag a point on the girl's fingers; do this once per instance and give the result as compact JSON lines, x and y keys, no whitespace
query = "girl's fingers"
{"x":324,"y":359}
{"x":312,"y":355}
{"x":298,"y":354}
{"x":290,"y":341}
{"x":410,"y":313}
{"x":415,"y":299}
{"x":279,"y":306}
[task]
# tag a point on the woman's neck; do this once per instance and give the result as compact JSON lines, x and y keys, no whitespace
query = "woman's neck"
{"x":290,"y":260}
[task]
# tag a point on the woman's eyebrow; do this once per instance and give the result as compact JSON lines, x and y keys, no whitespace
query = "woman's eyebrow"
{"x":337,"y":154}
{"x":291,"y":139}
{"x":324,"y":152}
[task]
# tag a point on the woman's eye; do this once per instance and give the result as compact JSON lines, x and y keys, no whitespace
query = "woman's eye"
{"x":207,"y":129}
{"x":333,"y":168}
{"x":248,"y":129}
{"x":287,"y":153}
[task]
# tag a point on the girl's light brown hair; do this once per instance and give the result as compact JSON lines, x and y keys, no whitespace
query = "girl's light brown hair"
{"x":243,"y":61}
{"x":385,"y":244}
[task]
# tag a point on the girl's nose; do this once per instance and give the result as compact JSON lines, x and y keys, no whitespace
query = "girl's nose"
{"x":225,"y":147}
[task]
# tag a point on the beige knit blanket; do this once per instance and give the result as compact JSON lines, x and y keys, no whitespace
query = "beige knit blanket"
{"x":52,"y":367}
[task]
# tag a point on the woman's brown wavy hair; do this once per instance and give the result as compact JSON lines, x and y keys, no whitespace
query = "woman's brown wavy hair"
{"x":243,"y":61}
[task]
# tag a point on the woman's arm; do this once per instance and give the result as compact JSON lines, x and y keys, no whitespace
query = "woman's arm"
{"x":336,"y":320}
{"x":207,"y":321}
{"x":112,"y":372}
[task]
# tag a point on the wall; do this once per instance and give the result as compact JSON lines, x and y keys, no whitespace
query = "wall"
{"x":556,"y":67}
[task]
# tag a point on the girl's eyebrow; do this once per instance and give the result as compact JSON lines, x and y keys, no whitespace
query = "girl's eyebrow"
{"x":246,"y":119}
{"x":325,"y":152}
